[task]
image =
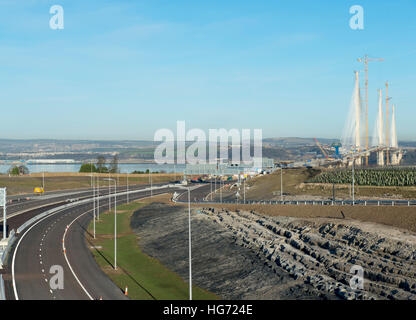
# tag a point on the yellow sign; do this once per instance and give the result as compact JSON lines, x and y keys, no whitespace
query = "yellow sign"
{"x":39,"y":190}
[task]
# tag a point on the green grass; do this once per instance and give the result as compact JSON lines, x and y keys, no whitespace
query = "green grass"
{"x":145,"y":277}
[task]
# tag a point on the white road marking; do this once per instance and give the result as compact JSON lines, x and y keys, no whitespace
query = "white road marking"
{"x":66,"y":258}
{"x":17,"y":246}
{"x":35,"y":224}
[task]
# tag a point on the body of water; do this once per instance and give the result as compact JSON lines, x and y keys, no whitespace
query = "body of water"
{"x":123,"y":167}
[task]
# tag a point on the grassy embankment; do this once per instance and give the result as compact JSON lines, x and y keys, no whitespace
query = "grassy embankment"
{"x":145,"y":277}
{"x":66,"y":181}
{"x":294,"y":183}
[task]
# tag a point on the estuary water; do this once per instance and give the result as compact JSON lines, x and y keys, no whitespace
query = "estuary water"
{"x":123,"y":167}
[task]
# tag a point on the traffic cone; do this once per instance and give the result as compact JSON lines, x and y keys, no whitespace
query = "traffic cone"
{"x":126,"y":291}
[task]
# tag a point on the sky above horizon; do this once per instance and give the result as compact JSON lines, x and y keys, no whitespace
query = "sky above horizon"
{"x":124,"y":69}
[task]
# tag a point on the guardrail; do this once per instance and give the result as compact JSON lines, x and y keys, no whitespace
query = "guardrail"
{"x":5,"y":249}
{"x":75,"y":203}
{"x":317,"y":202}
{"x":13,"y":234}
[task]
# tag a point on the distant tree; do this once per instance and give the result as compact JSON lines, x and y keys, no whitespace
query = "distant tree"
{"x":18,"y":170}
{"x":88,"y":167}
{"x":114,"y":164}
{"x":101,"y":165}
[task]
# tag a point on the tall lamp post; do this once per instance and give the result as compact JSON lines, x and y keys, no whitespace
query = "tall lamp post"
{"x":93,"y":200}
{"x":281,"y":184}
{"x":190,"y":244}
{"x":128,"y":187}
{"x":151,"y":186}
{"x":93,"y":197}
{"x":244,"y":187}
{"x":115,"y":220}
{"x":109,"y":192}
{"x":98,"y":197}
{"x":353,"y":182}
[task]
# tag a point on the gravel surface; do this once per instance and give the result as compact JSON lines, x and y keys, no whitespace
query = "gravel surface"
{"x":221,"y":262}
{"x":247,"y":255}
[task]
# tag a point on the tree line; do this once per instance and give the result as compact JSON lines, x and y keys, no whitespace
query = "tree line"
{"x":100,"y":166}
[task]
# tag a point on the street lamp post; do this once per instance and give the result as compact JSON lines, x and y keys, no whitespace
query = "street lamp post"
{"x":98,"y":198}
{"x":127,"y":187}
{"x":115,"y":221}
{"x":244,"y":187}
{"x":151,"y":187}
{"x":353,"y":182}
{"x":281,"y":184}
{"x":190,"y":244}
{"x":93,"y":200}
{"x":215,"y":186}
{"x":221,"y":189}
{"x":93,"y":197}
{"x":109,"y":192}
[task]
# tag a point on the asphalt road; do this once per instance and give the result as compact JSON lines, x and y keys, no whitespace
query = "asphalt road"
{"x":20,"y":203}
{"x":22,"y":210}
{"x":40,"y":247}
{"x":198,"y":194}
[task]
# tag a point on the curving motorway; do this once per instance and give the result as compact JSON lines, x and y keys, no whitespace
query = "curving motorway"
{"x":40,"y":246}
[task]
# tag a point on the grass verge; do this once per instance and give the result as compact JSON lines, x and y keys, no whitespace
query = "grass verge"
{"x":145,"y":277}
{"x":67,"y":181}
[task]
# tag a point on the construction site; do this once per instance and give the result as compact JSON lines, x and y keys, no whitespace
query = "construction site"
{"x":356,"y":146}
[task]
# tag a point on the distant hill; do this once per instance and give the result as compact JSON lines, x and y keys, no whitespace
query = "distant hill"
{"x":282,"y":148}
{"x":295,"y":141}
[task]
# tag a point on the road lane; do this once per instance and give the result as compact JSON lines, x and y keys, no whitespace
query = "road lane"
{"x":41,"y":248}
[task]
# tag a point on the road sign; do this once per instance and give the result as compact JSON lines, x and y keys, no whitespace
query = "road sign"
{"x":2,"y":197}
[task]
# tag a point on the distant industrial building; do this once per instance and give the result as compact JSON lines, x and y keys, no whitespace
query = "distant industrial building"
{"x":228,"y":168}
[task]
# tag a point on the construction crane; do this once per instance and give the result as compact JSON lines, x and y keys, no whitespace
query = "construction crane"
{"x":365,"y":60}
{"x":320,"y":147}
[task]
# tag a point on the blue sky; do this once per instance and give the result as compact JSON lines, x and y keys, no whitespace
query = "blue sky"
{"x":123,"y":69}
